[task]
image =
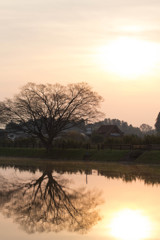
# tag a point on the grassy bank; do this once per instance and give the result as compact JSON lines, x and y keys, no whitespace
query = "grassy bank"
{"x":151,"y":157}
{"x":65,"y":154}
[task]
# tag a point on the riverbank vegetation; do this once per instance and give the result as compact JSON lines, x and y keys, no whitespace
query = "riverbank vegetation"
{"x":86,"y":155}
{"x":65,"y":154}
{"x":74,"y":139}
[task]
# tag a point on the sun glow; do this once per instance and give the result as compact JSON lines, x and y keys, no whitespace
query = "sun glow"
{"x":129,"y":57}
{"x":130,"y":225}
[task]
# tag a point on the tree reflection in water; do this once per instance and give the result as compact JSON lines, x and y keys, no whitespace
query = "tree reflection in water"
{"x":48,"y":204}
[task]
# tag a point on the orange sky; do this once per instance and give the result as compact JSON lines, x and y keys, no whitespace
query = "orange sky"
{"x":112,"y":45}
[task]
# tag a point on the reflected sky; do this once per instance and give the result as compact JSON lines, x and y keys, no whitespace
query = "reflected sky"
{"x":111,"y":209}
{"x":130,"y":224}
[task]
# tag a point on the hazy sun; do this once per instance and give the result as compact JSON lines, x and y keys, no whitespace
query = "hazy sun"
{"x":128,"y":57}
{"x":130,"y":225}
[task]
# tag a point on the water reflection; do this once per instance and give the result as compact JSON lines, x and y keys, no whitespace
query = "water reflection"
{"x":44,"y":199}
{"x":127,"y":172}
{"x":130,"y":224}
{"x":47,"y":203}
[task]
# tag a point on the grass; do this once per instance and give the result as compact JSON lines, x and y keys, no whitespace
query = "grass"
{"x":152,"y":157}
{"x":105,"y":155}
{"x":65,"y":154}
{"x":22,"y":152}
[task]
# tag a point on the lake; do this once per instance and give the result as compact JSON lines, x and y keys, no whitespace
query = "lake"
{"x":79,"y":201}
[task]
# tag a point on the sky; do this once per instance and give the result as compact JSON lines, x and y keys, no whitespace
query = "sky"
{"x":113,"y":45}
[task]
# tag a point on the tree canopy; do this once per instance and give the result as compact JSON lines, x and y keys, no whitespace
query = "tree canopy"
{"x":145,"y":128}
{"x":46,"y":110}
{"x":157,"y":124}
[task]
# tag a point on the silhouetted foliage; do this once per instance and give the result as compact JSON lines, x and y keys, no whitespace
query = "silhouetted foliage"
{"x":97,"y":138}
{"x":157,"y":124}
{"x":146,"y":129}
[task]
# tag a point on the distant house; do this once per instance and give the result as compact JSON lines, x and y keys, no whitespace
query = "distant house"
{"x":88,"y":131}
{"x":110,"y":131}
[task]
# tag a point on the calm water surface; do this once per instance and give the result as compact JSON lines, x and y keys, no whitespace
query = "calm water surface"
{"x":56,"y":203}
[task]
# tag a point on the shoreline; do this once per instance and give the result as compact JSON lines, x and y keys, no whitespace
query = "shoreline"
{"x":83,"y":155}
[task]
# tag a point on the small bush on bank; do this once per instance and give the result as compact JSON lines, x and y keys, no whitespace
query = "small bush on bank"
{"x":97,"y":138}
{"x":151,"y":139}
{"x":132,"y":139}
{"x":113,"y":140}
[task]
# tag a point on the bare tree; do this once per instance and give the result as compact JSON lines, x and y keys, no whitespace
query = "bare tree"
{"x":49,"y":204}
{"x":4,"y":118}
{"x":45,"y":111}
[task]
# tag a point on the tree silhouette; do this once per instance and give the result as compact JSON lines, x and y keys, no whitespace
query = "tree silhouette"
{"x":48,"y":204}
{"x":146,"y":129}
{"x":44,"y":111}
{"x":157,"y":124}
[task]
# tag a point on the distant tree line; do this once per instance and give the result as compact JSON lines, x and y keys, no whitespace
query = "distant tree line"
{"x":126,"y":128}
